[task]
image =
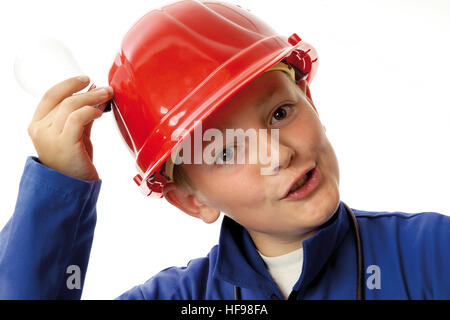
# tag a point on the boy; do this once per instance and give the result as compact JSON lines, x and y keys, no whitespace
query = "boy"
{"x":285,"y":233}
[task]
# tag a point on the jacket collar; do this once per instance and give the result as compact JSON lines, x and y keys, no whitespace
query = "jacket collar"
{"x":239,"y":263}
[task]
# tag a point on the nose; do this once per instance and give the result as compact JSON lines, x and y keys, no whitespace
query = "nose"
{"x":280,"y":159}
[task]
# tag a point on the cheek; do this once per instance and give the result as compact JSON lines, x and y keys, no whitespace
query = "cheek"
{"x":232,"y":189}
{"x":330,"y":160}
{"x":306,"y":133}
{"x":327,"y":158}
{"x":312,"y":142}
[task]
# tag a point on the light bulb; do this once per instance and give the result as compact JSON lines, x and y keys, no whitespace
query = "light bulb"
{"x":42,"y":63}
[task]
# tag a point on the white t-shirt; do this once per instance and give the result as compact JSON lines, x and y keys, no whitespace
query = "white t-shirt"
{"x":285,"y":269}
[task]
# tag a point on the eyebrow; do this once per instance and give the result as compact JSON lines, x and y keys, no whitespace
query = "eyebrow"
{"x":261,"y":101}
{"x":266,"y":97}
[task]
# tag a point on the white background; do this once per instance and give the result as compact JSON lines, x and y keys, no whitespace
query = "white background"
{"x":381,"y":91}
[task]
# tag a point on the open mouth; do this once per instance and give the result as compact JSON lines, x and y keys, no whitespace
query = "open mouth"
{"x":305,"y":185}
{"x":301,"y":182}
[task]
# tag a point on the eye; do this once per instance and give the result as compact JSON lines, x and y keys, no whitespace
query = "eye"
{"x":280,"y":113}
{"x":226,"y":155}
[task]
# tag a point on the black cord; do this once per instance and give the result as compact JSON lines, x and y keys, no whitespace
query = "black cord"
{"x":237,"y":293}
{"x":360,"y":273}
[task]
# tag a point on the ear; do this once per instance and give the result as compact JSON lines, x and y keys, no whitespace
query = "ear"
{"x":189,"y":203}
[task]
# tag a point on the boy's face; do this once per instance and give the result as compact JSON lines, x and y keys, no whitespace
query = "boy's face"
{"x":241,"y":191}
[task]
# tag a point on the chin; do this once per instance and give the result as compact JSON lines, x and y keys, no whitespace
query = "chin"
{"x":320,"y":207}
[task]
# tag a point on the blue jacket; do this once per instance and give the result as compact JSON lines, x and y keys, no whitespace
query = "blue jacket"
{"x":405,"y":256}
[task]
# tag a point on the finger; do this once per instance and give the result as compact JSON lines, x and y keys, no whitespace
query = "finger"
{"x":57,"y":93}
{"x":87,"y":129}
{"x":75,"y":102}
{"x":88,"y":146}
{"x":78,"y":121}
{"x":87,"y":140}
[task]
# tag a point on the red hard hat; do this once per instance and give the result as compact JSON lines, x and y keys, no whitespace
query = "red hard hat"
{"x":179,"y":63}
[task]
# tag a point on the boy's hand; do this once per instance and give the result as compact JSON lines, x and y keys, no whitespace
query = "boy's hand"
{"x":61,"y":127}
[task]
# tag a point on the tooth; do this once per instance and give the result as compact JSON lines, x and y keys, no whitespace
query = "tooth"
{"x":299,"y":183}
